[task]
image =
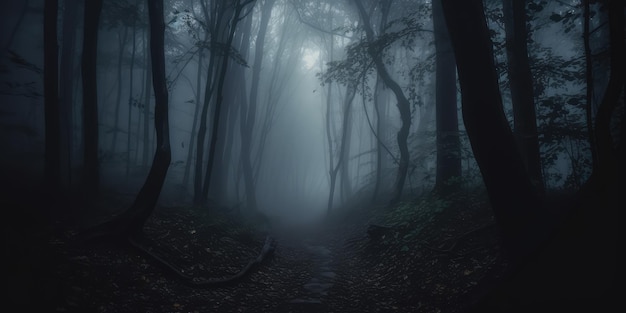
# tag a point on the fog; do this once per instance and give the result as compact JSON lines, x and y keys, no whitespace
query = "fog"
{"x":371,"y":145}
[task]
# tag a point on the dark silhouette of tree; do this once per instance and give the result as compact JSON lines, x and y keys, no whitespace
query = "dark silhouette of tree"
{"x":221,"y":23}
{"x":235,"y":18}
{"x":607,"y":156}
{"x":448,"y":144}
{"x":510,"y":191}
{"x":379,"y":104}
{"x":589,"y":84}
{"x":404,"y":106}
{"x":521,"y":84}
{"x":66,"y":87}
{"x":51,"y":92}
{"x":130,"y":223}
{"x":251,"y":113}
{"x":91,"y":173}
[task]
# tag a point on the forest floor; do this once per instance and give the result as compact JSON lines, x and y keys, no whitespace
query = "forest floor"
{"x":428,"y":255}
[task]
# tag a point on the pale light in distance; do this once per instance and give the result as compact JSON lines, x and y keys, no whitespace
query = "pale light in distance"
{"x":310,"y":58}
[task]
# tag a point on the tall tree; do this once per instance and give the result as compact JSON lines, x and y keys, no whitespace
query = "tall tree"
{"x":379,"y":104}
{"x":131,"y":72}
{"x":122,"y":38}
{"x":341,"y":160}
{"x":66,"y":86}
{"x":250,"y":114}
{"x":90,"y":97}
{"x":231,"y":22}
{"x":131,"y":222}
{"x":51,"y":93}
{"x":521,"y":84}
{"x":448,"y":143}
{"x":607,"y":156}
{"x":589,"y":84}
{"x":403,"y":104}
{"x":510,"y":190}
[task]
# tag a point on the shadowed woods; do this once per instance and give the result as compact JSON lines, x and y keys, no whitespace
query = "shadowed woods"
{"x":312,"y":156}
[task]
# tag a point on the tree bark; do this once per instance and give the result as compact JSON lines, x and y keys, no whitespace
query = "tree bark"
{"x":130,"y":223}
{"x":250,"y":118}
{"x":521,"y":84}
{"x":607,"y":156}
{"x":238,"y":7}
{"x":51,"y":93}
{"x":347,"y":107}
{"x":130,"y":97}
{"x":118,"y":100}
{"x":91,"y":174}
{"x":589,"y":86}
{"x":66,"y":85}
{"x":448,"y":143}
{"x":146,"y":112}
{"x":510,"y":191}
{"x":380,"y":100}
{"x":404,"y":106}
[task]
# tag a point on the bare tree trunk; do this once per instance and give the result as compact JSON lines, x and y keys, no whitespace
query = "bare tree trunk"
{"x":232,"y":25}
{"x":51,"y":94}
{"x":250,"y":118}
{"x":130,"y":223}
{"x":590,"y":86}
{"x":607,"y":156}
{"x":130,"y":99}
{"x":347,"y":107}
{"x":346,"y":142}
{"x":192,"y":135}
{"x":379,"y":93}
{"x":404,"y":107}
{"x":448,"y":143}
{"x":118,"y":101}
{"x":511,"y":193}
{"x":66,"y":88}
{"x":90,"y":99}
{"x":146,"y":112}
{"x":521,"y":82}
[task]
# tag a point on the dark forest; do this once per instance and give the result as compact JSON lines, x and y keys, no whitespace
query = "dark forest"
{"x":312,"y":156}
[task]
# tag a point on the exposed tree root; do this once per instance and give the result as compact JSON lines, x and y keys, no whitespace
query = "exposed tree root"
{"x":267,"y":249}
{"x":450,"y":249}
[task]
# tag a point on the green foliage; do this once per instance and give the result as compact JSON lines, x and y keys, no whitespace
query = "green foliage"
{"x":408,"y":213}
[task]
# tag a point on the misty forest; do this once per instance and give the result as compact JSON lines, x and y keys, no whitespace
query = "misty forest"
{"x":311,"y":155}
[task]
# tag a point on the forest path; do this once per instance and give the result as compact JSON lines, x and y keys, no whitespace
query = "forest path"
{"x":322,"y":248}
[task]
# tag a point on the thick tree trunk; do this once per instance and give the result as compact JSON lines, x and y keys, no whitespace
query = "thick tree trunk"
{"x":521,"y":84}
{"x":130,"y":223}
{"x":51,"y":93}
{"x":607,"y":157}
{"x":91,"y":175}
{"x":511,"y":193}
{"x":448,"y":143}
{"x":67,"y":89}
{"x":146,"y":199}
{"x":404,"y":106}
